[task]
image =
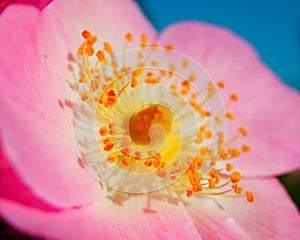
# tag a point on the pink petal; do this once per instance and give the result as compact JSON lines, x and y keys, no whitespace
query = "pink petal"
{"x":36,"y":133}
{"x":62,"y":23}
{"x":19,"y":192}
{"x":211,"y":221}
{"x":272,"y":215}
{"x":113,"y":217}
{"x":266,"y":107}
{"x":37,"y":3}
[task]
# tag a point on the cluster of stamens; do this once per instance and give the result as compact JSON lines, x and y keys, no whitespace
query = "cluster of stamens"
{"x":103,"y":91}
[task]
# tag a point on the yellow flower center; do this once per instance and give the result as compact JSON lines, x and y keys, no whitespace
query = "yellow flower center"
{"x":143,"y":122}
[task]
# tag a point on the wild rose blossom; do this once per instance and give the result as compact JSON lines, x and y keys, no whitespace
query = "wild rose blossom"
{"x":54,"y":197}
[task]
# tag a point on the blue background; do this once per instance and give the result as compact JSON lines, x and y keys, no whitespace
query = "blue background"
{"x":271,"y":26}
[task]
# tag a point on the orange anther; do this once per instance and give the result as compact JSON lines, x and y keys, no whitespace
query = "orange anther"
{"x":238,"y":190}
{"x":133,"y":82}
{"x":211,"y":183}
{"x":194,"y":96}
{"x":111,"y":129}
{"x":148,"y":162}
{"x":92,"y":40}
{"x":151,"y":80}
{"x":169,"y":47}
{"x":245,"y":148}
{"x":154,"y":46}
{"x":103,"y":131}
{"x":100,"y":55}
{"x":111,"y":100}
{"x":154,"y":63}
{"x":234,"y":97}
{"x":235,"y":177}
{"x":201,"y":130}
{"x":194,"y":178}
{"x":89,"y":50}
{"x":229,"y":167}
{"x":128,"y":37}
{"x":86,"y":34}
{"x":149,"y":74}
{"x":111,"y":93}
{"x":82,"y":80}
{"x":173,"y":86}
{"x":217,"y":178}
{"x":111,"y":158}
{"x":229,"y":116}
{"x":163,"y":73}
{"x":84,"y":96}
{"x":172,"y":68}
{"x":108,"y":144}
{"x":224,"y":155}
{"x":156,"y":163}
{"x":203,"y":151}
{"x":221,"y":84}
{"x":185,"y":63}
{"x":137,"y":72}
{"x":107,"y":47}
{"x":234,"y":152}
{"x":192,"y":77}
{"x":243,"y":131}
{"x":208,"y":134}
{"x":197,"y":188}
{"x":125,"y":161}
{"x":200,"y":162}
{"x":144,"y":38}
{"x":213,"y":172}
{"x":157,"y":156}
{"x":189,"y":193}
{"x":250,"y":196}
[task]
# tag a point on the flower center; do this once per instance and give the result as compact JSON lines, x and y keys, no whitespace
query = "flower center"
{"x":151,"y":117}
{"x":144,"y":118}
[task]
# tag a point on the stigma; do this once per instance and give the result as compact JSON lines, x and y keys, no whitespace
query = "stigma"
{"x":158,"y":115}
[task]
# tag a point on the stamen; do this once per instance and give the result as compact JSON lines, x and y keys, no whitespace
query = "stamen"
{"x":128,"y":37}
{"x":229,"y":116}
{"x":169,"y":47}
{"x":103,"y":131}
{"x":235,"y":177}
{"x":107,"y":47}
{"x":221,"y":84}
{"x":101,"y":56}
{"x":245,"y":148}
{"x":126,"y":148}
{"x":133,"y":82}
{"x":86,"y":34}
{"x":229,"y":167}
{"x":125,"y":161}
{"x":111,"y":158}
{"x":250,"y":196}
{"x":234,"y":97}
{"x":243,"y":131}
{"x":143,"y":41}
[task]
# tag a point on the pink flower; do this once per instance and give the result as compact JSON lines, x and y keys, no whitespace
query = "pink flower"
{"x":45,"y":192}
